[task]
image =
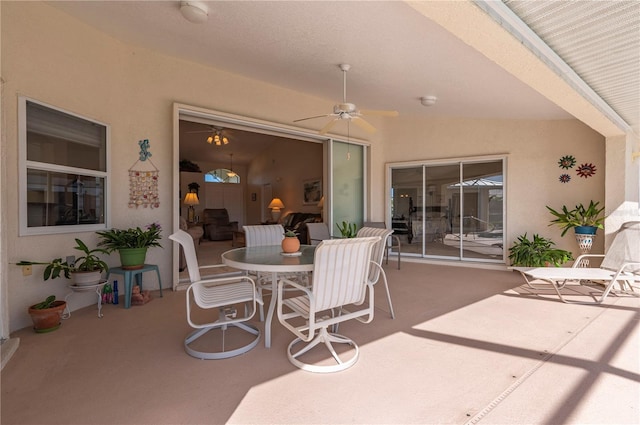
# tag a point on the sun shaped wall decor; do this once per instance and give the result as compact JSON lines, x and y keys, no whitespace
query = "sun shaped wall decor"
{"x":564,"y":178}
{"x":567,"y":161}
{"x":586,"y":170}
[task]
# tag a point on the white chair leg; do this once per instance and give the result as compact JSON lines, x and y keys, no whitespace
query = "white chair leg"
{"x":386,"y":287}
{"x":327,"y":338}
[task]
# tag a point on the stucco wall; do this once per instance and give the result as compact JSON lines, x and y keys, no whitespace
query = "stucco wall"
{"x":533,"y":149}
{"x":55,"y":59}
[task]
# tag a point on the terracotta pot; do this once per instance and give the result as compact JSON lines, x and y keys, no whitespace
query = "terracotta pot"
{"x":290,"y":244}
{"x":47,"y":319}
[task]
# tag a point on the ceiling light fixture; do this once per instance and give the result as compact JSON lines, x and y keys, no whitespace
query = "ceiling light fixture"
{"x":194,"y":11}
{"x":217,"y":138}
{"x":231,"y":173}
{"x":428,"y":100}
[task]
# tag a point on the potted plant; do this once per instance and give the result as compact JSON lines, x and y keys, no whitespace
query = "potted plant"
{"x":584,"y":220}
{"x":131,"y":244}
{"x":85,"y":270}
{"x":538,"y":252}
{"x":47,"y":315}
{"x":348,"y":230}
{"x":290,"y":243}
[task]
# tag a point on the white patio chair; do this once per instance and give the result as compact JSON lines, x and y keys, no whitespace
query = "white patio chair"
{"x":224,"y":294}
{"x":270,"y":234}
{"x":377,"y":255}
{"x":392,"y":238}
{"x":621,"y":264}
{"x":318,"y":232}
{"x":341,"y":267}
{"x":265,"y":235}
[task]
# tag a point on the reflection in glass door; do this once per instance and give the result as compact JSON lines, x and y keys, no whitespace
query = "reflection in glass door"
{"x":451,"y":211}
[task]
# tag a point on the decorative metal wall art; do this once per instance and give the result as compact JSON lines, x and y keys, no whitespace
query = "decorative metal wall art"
{"x":143,"y":182}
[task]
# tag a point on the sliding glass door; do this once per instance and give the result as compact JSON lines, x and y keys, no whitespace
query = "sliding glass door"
{"x":347,"y":184}
{"x":449,"y":210}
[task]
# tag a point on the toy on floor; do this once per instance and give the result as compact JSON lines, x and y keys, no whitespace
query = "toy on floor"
{"x":139,"y":298}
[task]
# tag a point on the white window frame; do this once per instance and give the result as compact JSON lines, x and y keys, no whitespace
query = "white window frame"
{"x":24,"y":164}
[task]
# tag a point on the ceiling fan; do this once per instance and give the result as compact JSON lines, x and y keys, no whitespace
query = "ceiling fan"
{"x":216,"y":136}
{"x":348,"y":111}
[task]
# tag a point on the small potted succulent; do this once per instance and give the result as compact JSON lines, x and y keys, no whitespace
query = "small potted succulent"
{"x":131,"y":244}
{"x":290,"y":243}
{"x":348,"y":230}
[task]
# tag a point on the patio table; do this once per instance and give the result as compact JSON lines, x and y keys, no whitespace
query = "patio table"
{"x":270,"y":259}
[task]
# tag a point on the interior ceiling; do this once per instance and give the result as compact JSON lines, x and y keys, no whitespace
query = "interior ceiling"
{"x":397,"y":55}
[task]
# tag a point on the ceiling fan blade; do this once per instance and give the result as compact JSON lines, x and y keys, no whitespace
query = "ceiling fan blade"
{"x":310,"y":118}
{"x":378,"y":112}
{"x":363,"y":124}
{"x":328,"y":127}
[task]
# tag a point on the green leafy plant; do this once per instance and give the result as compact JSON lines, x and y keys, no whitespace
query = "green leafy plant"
{"x":115,"y":239}
{"x":86,"y":263}
{"x":47,"y":303}
{"x":579,"y":216}
{"x":538,"y":252}
{"x":290,"y":234}
{"x":348,"y":230}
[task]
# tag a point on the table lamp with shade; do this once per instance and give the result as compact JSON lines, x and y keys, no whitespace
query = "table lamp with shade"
{"x":276,"y":206}
{"x":191,"y":199}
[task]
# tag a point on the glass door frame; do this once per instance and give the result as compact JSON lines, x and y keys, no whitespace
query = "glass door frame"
{"x":460,"y":163}
{"x":190,"y":112}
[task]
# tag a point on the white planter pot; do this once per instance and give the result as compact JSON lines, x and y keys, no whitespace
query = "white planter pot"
{"x":86,"y":278}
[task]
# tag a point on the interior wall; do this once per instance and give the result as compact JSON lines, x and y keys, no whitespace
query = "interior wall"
{"x":285,"y":167}
{"x":55,"y":59}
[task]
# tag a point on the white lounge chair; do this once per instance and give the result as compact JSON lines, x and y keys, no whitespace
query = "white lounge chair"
{"x":620,"y":265}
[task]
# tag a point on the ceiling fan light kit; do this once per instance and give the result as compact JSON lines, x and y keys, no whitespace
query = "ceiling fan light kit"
{"x":194,"y":11}
{"x":349,"y":111}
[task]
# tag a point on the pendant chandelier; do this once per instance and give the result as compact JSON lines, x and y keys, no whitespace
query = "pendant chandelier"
{"x":217,"y":138}
{"x":231,"y":173}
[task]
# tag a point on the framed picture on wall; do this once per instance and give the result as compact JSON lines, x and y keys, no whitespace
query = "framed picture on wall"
{"x":312,"y":191}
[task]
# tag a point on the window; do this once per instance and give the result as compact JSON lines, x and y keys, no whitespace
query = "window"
{"x":221,"y":175}
{"x":63,"y":170}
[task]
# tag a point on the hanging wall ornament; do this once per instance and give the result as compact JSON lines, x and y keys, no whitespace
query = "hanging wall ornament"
{"x":564,"y":178}
{"x":586,"y":170}
{"x":143,"y":180}
{"x":567,"y":161}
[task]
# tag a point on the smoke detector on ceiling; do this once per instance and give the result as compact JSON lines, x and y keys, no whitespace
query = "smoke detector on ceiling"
{"x":194,"y":11}
{"x":428,"y":100}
